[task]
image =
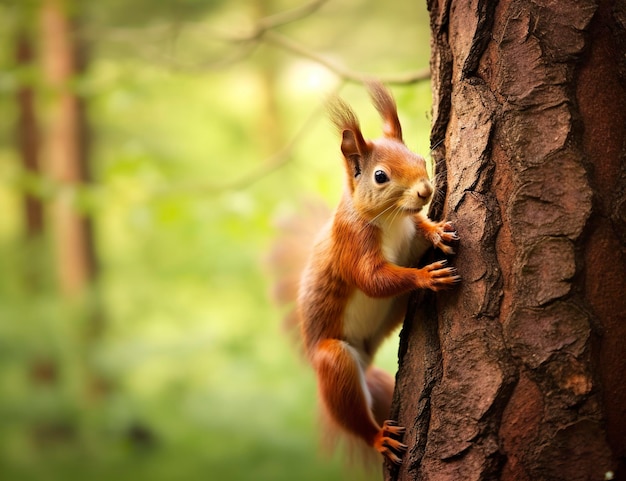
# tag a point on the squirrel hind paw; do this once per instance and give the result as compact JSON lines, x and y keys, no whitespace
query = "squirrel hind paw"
{"x":392,"y":427}
{"x":391,"y":456}
{"x":390,"y":448}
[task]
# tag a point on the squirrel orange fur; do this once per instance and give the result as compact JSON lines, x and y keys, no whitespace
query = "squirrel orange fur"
{"x":354,"y":290}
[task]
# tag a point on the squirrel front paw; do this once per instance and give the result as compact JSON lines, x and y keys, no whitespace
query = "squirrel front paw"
{"x":441,"y":234}
{"x":437,"y":276}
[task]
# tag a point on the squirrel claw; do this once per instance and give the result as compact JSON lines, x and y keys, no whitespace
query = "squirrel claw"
{"x":389,"y":447}
{"x":441,"y":234}
{"x":392,"y":427}
{"x":391,"y":456}
{"x":438,"y":276}
{"x":448,"y":226}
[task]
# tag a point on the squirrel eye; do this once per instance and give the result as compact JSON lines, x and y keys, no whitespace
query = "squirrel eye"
{"x":380,"y":177}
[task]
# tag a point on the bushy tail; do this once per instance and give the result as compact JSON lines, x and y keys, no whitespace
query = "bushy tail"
{"x":290,"y":252}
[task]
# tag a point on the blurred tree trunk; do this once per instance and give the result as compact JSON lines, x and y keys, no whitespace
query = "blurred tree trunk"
{"x":65,"y":145}
{"x":43,"y":370}
{"x":27,"y":132}
{"x":519,"y":373}
{"x":65,"y":148}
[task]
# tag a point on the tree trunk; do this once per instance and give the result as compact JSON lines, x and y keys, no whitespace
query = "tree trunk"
{"x":518,"y":373}
{"x":66,"y":164}
{"x":27,"y":133}
{"x":43,"y":370}
{"x":66,"y":149}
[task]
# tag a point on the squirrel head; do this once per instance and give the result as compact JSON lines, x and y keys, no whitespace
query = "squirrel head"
{"x":384,"y":176}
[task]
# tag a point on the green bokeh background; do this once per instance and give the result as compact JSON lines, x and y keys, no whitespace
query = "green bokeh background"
{"x":201,"y":382}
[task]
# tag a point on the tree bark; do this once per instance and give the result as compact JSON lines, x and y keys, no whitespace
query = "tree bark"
{"x":518,"y":373}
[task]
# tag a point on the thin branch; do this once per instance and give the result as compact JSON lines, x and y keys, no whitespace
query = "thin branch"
{"x":272,"y":22}
{"x":340,"y":70}
{"x":284,"y":18}
{"x":237,"y":56}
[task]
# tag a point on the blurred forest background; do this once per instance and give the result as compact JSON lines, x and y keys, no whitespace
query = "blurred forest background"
{"x":147,"y":150}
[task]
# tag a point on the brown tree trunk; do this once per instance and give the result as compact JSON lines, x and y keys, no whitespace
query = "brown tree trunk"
{"x":43,"y":371}
{"x":27,"y":133}
{"x":518,"y":373}
{"x":65,"y":159}
{"x":66,"y":148}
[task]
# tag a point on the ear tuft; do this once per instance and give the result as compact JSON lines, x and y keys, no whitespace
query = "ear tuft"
{"x":342,"y":115}
{"x":386,"y":106}
{"x":353,"y":146}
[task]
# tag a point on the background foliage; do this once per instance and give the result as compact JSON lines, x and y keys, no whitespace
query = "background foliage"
{"x":196,"y":151}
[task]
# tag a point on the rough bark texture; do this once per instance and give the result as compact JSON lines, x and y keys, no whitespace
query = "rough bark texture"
{"x":518,"y":374}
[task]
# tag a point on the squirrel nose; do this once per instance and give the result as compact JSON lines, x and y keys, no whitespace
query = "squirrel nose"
{"x":424,"y":190}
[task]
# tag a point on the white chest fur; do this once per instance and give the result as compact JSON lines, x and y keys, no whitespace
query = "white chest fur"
{"x":364,"y":316}
{"x":398,"y":237}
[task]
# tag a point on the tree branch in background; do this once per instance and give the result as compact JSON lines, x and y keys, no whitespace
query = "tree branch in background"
{"x":338,"y":69}
{"x":264,"y":31}
{"x":267,"y":167}
{"x":289,"y":16}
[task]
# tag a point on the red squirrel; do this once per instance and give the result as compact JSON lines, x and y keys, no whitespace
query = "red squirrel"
{"x":354,"y":289}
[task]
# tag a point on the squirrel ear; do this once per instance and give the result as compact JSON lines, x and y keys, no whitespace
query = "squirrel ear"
{"x":353,"y":148}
